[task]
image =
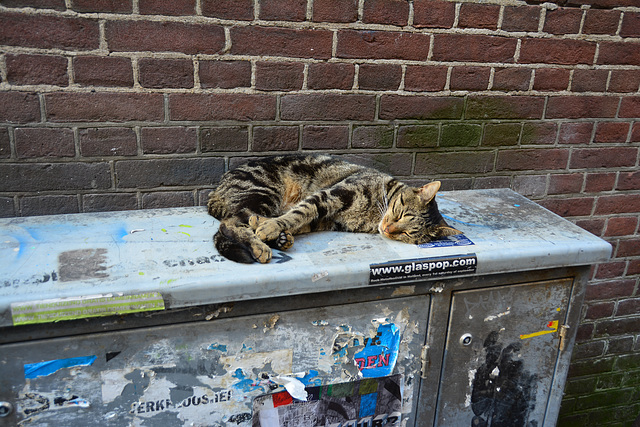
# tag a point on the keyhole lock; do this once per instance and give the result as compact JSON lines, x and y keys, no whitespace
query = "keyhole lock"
{"x":6,"y":409}
{"x":466,"y":339}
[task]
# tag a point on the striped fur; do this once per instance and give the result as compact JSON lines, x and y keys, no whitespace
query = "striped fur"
{"x":264,"y":203}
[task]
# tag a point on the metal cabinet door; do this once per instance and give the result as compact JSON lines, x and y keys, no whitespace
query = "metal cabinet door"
{"x":208,"y":373}
{"x":501,"y":353}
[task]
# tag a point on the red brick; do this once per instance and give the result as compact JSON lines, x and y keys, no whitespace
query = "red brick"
{"x":168,"y":172}
{"x":328,"y":107}
{"x":563,"y":21}
{"x":166,"y":73}
{"x":19,"y":107}
{"x":167,"y":199}
{"x":285,"y":76}
{"x":634,"y":267}
{"x":600,"y":311}
{"x":472,"y":47}
{"x":621,"y":226}
{"x":557,"y":51}
{"x":375,"y":136}
{"x":416,"y":136}
{"x":575,"y":133}
{"x":283,"y":10}
{"x":325,"y":137}
{"x":504,"y":107}
{"x":379,"y":76}
{"x":328,"y":75}
{"x":576,"y":107}
{"x":605,"y":157}
{"x":111,"y":141}
{"x":532,"y":186}
{"x":275,"y":138}
{"x":335,"y":11}
{"x":624,"y":81}
{"x":37,"y":4}
{"x":600,"y":21}
{"x":425,"y":78}
{"x":167,"y":7}
{"x":475,"y":15}
{"x":635,"y":132}
{"x":618,"y":204}
{"x":109,"y":202}
{"x":44,"y":142}
{"x":103,"y":71}
{"x":565,"y":183}
{"x":383,"y":45}
{"x":420,"y":107}
{"x":612,"y":132}
{"x":507,"y":79}
{"x":533,"y":159}
{"x":37,"y":70}
{"x":616,"y":53}
{"x":168,"y":140}
{"x":5,"y":144}
{"x":389,"y":12}
{"x":630,"y":25}
{"x":543,"y":133}
{"x":521,"y":18}
{"x":225,"y":74}
{"x":433,"y":14}
{"x":48,"y":32}
{"x":281,"y":42}
{"x":57,"y":176}
{"x":207,"y":107}
{"x":470,"y":78}
{"x":440,"y":163}
{"x":579,"y":206}
{"x":553,"y":79}
{"x":113,"y":6}
{"x":629,"y":181}
{"x":599,"y":182}
{"x":481,"y":183}
{"x":501,"y":134}
{"x":241,"y":10}
{"x":630,"y":107}
{"x":589,"y":80}
{"x":628,"y":307}
{"x":104,"y":107}
{"x":48,"y":205}
{"x":593,"y":226}
{"x":225,"y":138}
{"x":134,"y":36}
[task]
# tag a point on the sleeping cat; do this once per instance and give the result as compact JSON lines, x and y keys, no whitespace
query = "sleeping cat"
{"x":264,"y":203}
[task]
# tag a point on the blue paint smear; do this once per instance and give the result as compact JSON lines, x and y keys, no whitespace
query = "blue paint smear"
{"x":379,"y":356}
{"x":311,"y":379}
{"x":219,"y":347}
{"x":42,"y":369}
{"x":245,"y":384}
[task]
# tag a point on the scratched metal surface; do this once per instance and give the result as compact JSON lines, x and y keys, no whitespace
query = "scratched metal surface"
{"x":170,"y":251}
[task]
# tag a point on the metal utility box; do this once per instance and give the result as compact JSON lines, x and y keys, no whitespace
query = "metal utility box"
{"x":132,"y":318}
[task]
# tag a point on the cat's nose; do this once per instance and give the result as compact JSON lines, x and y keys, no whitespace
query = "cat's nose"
{"x":391,"y":229}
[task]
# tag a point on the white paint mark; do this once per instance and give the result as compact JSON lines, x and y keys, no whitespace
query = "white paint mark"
{"x":136,"y":230}
{"x":499,"y":315}
{"x":437,"y":289}
{"x":495,"y":373}
{"x":320,"y":323}
{"x":467,"y":399}
{"x":319,"y":276}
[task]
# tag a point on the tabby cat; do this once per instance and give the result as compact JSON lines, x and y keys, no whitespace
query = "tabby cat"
{"x":264,"y":202}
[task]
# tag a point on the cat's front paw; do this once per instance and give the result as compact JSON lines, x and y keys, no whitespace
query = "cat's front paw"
{"x":284,"y":240}
{"x":268,"y":230}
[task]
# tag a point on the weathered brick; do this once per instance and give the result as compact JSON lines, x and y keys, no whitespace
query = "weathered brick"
{"x":587,"y":367}
{"x":19,"y":107}
{"x":37,"y":70}
{"x":335,"y":11}
{"x":617,"y":204}
{"x":577,"y":107}
{"x":420,"y":107}
{"x":470,"y":78}
{"x":151,"y":36}
{"x":241,"y":10}
{"x":532,"y":186}
{"x":325,"y":137}
{"x":207,"y":107}
{"x":599,"y":182}
{"x":328,"y":107}
{"x":553,"y":79}
{"x":476,"y":15}
{"x":501,"y":134}
{"x":629,"y":306}
{"x":504,"y":107}
{"x":54,"y":176}
{"x":275,"y":138}
{"x":425,"y":78}
{"x":48,"y":32}
{"x":605,"y":157}
{"x":577,"y":206}
{"x":588,"y":350}
{"x":418,"y":136}
{"x":389,"y":12}
{"x":287,"y":42}
{"x":224,"y":138}
{"x":521,"y":18}
{"x":473,"y":47}
{"x":628,"y":247}
{"x":615,"y":53}
{"x":589,"y":80}
{"x":113,"y":6}
{"x":491,"y":182}
{"x":629,"y":181}
{"x":543,"y":133}
{"x":285,"y":76}
{"x":48,"y":205}
{"x":593,"y":226}
{"x":635,"y":132}
{"x":600,"y":21}
{"x":283,"y":10}
{"x":511,"y":79}
{"x":111,"y":141}
{"x":5,"y":144}
{"x":374,"y":137}
{"x":433,"y":14}
{"x":565,"y":183}
{"x":383,"y":45}
{"x":379,"y":76}
{"x":37,"y":4}
{"x":7,"y":207}
{"x":327,"y":75}
{"x":109,"y":202}
{"x":563,"y":21}
{"x":166,"y":73}
{"x":533,"y":159}
{"x":225,"y":74}
{"x":398,"y":164}
{"x":102,"y":71}
{"x":167,"y":199}
{"x":557,"y":51}
{"x":599,"y":311}
{"x":622,"y":326}
{"x":630,"y":25}
{"x":167,"y":7}
{"x":612,"y":132}
{"x":575,"y":133}
{"x":624,"y":81}
{"x":461,"y":135}
{"x":610,"y":290}
{"x":44,"y":142}
{"x":168,"y":140}
{"x":168,"y":172}
{"x":437,"y":163}
{"x":104,"y":107}
{"x":630,"y":107}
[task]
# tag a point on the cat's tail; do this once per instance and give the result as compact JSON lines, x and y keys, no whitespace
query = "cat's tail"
{"x":229,"y":246}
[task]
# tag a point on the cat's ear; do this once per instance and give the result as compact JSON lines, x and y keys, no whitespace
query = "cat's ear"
{"x":428,"y":192}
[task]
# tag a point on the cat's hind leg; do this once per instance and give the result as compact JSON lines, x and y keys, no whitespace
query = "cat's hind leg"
{"x":282,"y":240}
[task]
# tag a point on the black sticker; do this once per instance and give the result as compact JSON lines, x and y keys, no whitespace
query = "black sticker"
{"x":412,"y":270}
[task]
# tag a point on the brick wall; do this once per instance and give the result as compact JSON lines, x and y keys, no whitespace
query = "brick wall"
{"x":130,"y":104}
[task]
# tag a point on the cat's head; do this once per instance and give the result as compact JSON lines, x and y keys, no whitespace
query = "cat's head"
{"x":413,"y":217}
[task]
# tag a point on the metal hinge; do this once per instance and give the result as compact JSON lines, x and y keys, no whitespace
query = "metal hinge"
{"x":424,"y":359}
{"x":564,"y":332}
